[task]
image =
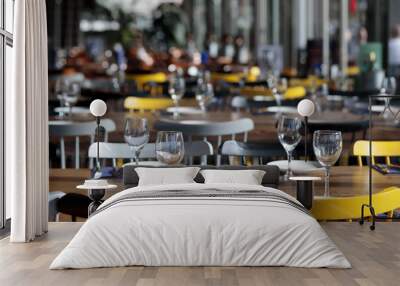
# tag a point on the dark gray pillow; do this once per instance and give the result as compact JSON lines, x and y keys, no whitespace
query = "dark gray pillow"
{"x":270,"y":179}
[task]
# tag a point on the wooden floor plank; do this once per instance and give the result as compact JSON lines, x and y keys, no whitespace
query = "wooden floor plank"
{"x":375,"y":257}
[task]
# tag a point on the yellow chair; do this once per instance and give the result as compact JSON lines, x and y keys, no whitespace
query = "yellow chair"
{"x":292,"y":93}
{"x":146,"y":103}
{"x":348,"y":208}
{"x":352,"y":71}
{"x":142,"y":79}
{"x":307,"y":82}
{"x":253,"y":74}
{"x":295,"y":92}
{"x":385,"y":149}
{"x":228,"y":77}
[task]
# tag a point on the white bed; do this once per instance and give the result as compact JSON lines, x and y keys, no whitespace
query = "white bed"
{"x":185,"y":230}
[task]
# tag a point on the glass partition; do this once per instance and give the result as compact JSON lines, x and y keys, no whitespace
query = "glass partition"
{"x":9,"y":15}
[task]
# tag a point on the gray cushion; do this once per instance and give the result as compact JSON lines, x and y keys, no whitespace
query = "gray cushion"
{"x":270,"y":179}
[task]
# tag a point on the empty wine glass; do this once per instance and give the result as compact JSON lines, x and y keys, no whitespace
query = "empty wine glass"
{"x":388,"y":87}
{"x":282,"y":86}
{"x":60,"y":89}
{"x":273,"y":86}
{"x":327,"y":146}
{"x":289,"y":136}
{"x":136,"y":134}
{"x":204,"y":94}
{"x":176,"y":90}
{"x":170,"y":147}
{"x":71,"y":96}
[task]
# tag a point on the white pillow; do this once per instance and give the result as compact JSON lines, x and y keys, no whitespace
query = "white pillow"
{"x":247,"y":177}
{"x":166,"y":176}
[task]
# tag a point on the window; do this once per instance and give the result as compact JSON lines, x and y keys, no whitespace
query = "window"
{"x":6,"y":43}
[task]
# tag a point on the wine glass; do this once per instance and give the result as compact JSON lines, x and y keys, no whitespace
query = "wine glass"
{"x":289,"y":136}
{"x":71,"y":96}
{"x":282,"y":86}
{"x":170,"y":147}
{"x":273,"y":86}
{"x":388,"y":87}
{"x":204,"y":94}
{"x":176,"y":90}
{"x":327,"y":146}
{"x":60,"y":89}
{"x":136,"y":134}
{"x":280,"y":90}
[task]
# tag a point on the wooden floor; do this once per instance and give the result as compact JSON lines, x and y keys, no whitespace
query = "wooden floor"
{"x":375,"y":257}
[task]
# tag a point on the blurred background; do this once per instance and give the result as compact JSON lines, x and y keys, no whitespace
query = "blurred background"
{"x":258,"y":57}
{"x":223,"y":72}
{"x":326,"y":38}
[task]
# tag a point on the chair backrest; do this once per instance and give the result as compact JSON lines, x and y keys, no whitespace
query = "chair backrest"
{"x":200,"y":128}
{"x":64,"y":129}
{"x":239,"y":102}
{"x":254,"y":150}
{"x":122,"y":151}
{"x":204,"y":129}
{"x":385,"y":149}
{"x":292,"y":93}
{"x":146,"y":103}
{"x":295,"y":92}
{"x":73,"y":128}
{"x":345,"y":126}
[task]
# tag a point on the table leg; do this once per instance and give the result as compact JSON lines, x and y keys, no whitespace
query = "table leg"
{"x":96,"y":197}
{"x":305,"y":193}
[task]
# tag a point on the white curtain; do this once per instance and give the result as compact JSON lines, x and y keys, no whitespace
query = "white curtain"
{"x":27,"y":123}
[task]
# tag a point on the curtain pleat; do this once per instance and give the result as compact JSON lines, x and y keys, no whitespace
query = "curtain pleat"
{"x":27,"y":119}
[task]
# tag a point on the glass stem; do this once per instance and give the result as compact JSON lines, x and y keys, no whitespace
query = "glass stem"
{"x":289,"y":169}
{"x":176,"y":113}
{"x":137,"y":153}
{"x":327,"y":175}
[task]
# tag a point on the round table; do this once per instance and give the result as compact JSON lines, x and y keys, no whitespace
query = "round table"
{"x":96,"y":194}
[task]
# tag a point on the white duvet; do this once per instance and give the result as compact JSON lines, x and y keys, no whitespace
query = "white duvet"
{"x":202,"y":232}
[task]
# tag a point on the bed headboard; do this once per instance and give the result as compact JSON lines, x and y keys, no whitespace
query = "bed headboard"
{"x":271,"y":177}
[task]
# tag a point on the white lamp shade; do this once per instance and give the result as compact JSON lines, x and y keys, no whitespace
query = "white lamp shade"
{"x":98,"y":107}
{"x":306,"y":108}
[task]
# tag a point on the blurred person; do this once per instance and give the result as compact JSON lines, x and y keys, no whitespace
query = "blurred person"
{"x":120,"y":57}
{"x":139,"y":58}
{"x":192,"y":52}
{"x":212,"y":46}
{"x":191,"y":48}
{"x":77,"y":57}
{"x":363,"y":35}
{"x":394,"y":52}
{"x":241,"y":52}
{"x":354,"y":44}
{"x":227,"y":50}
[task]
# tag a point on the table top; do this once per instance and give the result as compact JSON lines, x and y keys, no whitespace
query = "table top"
{"x":345,"y":181}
